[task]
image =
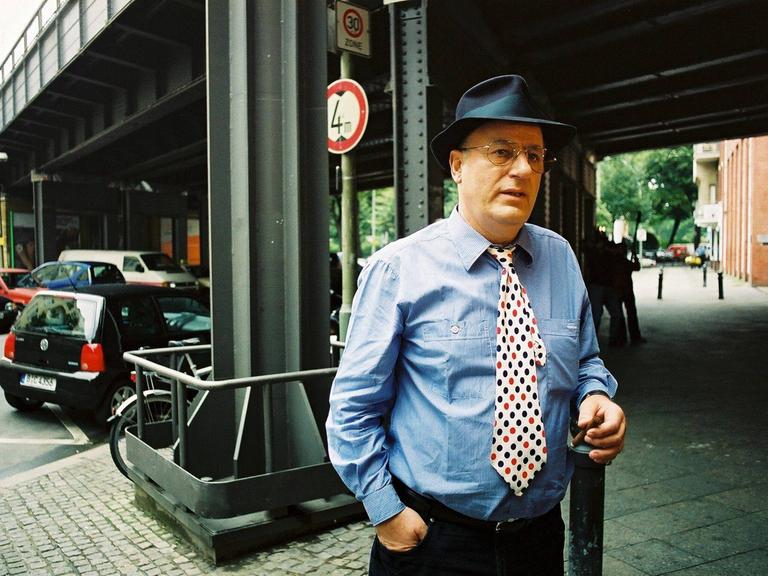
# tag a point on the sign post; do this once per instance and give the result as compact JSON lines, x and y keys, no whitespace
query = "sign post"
{"x":347,"y":120}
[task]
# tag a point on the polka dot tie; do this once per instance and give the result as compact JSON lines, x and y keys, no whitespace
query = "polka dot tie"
{"x":518,"y":448}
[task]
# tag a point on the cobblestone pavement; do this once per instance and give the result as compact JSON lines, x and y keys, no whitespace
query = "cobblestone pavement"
{"x":687,"y":497}
{"x":79,"y":518}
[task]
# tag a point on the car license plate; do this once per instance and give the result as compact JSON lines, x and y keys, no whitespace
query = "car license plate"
{"x":37,"y":381}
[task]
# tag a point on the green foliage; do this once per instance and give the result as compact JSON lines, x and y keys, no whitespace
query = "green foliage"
{"x":375,"y":233}
{"x":334,"y":224}
{"x":657,"y":183}
{"x":377,"y":219}
{"x":450,"y":196}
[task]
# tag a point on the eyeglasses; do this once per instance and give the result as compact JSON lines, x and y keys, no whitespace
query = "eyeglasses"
{"x":502,"y":152}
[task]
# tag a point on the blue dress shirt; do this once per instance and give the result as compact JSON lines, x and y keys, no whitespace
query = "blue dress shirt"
{"x":414,"y":394}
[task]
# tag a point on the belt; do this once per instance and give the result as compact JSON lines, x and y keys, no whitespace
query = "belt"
{"x":431,"y":509}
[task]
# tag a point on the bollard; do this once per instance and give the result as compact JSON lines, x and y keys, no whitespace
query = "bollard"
{"x":585,"y":527}
{"x":661,"y":282}
{"x":720,"y":286}
{"x":704,"y":271}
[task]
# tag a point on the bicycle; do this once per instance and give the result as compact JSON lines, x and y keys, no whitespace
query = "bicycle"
{"x":158,"y":404}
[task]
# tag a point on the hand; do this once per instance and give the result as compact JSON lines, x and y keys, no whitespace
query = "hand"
{"x":608,"y":437}
{"x":403,"y":532}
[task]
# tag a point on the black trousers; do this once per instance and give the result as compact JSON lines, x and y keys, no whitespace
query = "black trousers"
{"x":451,"y":549}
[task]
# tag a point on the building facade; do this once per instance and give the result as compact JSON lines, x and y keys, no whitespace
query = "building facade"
{"x":743,"y":183}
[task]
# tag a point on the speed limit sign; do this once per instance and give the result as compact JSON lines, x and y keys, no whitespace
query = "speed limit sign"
{"x":352,"y":31}
{"x":347,"y":115}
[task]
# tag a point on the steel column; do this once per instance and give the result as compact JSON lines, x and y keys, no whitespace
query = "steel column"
{"x":417,"y":117}
{"x":268,"y":231}
{"x":45,"y":221}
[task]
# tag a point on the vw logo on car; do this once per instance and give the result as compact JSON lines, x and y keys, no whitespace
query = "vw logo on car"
{"x":44,"y":344}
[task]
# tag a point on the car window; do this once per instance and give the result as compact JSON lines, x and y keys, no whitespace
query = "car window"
{"x":138,"y":317}
{"x":132,"y":264}
{"x":53,"y":314}
{"x":11,"y":279}
{"x":69,"y":271}
{"x":184,"y":314}
{"x":106,"y":274}
{"x":161,"y":262}
{"x":46,"y":272}
{"x":27,"y":281}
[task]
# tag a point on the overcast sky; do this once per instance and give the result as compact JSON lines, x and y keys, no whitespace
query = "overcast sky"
{"x":14,"y":16}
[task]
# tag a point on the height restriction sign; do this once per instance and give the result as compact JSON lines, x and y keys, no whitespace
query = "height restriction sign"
{"x":352,"y":31}
{"x":347,"y":115}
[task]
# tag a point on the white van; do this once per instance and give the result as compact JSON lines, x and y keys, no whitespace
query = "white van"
{"x":138,"y":266}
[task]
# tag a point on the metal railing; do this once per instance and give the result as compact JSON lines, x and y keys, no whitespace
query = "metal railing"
{"x":181,"y":380}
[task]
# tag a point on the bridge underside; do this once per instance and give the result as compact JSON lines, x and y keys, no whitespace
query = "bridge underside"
{"x":633,"y":74}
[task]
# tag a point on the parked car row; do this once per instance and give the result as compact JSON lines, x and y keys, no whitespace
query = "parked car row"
{"x":71,"y":320}
{"x":78,"y":268}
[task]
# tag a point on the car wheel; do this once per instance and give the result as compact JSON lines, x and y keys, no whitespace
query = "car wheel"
{"x":118,"y":393}
{"x":21,"y":403}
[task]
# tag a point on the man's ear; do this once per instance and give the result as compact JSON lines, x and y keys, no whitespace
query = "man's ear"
{"x":455,"y":161}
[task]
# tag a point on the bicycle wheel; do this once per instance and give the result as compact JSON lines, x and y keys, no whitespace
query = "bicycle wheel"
{"x":156,"y":409}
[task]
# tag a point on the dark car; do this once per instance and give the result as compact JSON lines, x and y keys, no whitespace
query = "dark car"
{"x":67,"y":347}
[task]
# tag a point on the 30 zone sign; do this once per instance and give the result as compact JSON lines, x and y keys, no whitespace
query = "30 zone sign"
{"x":347,"y":115}
{"x":352,"y":31}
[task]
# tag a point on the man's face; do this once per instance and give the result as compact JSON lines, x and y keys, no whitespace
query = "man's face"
{"x":496,"y":200}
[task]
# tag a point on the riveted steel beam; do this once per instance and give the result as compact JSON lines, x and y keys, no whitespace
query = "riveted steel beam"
{"x":417,"y":117}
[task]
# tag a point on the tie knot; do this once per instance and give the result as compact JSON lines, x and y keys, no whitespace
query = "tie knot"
{"x":502,"y":253}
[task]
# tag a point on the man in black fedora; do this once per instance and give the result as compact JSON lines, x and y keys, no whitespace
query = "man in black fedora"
{"x":470,"y":346}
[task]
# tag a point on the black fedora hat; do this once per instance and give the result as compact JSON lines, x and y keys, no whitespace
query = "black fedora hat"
{"x":499,"y":98}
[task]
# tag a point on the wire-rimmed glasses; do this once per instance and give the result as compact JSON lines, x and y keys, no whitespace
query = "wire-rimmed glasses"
{"x":502,"y":152}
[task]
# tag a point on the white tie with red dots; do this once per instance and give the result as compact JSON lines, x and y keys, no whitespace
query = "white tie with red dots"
{"x":519,"y":447}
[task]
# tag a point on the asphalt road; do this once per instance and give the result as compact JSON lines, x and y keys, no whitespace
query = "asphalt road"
{"x":32,"y":439}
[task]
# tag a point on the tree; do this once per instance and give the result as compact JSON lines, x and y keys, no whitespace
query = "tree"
{"x":670,"y":177}
{"x":656,"y":183}
{"x":624,"y":186}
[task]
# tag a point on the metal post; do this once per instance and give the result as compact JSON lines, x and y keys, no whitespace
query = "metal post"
{"x":140,"y":402}
{"x":704,"y":272}
{"x":349,"y":230}
{"x":720,"y":286}
{"x":181,"y":409}
{"x":661,"y":282}
{"x":585,"y":527}
{"x":39,"y":212}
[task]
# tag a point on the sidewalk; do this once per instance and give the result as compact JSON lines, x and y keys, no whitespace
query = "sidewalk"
{"x":687,"y":497}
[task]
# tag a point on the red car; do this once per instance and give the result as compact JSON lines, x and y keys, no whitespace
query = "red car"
{"x":12,"y":297}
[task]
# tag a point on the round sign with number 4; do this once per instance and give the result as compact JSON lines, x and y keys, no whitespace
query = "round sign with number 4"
{"x":347,"y":115}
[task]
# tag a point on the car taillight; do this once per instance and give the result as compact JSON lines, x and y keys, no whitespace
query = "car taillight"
{"x":92,"y":358}
{"x":10,"y":346}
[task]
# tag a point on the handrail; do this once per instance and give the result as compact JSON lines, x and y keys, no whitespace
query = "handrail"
{"x":137,"y":357}
{"x":179,"y":381}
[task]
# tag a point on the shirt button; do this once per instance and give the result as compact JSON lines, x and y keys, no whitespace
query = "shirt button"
{"x":455,"y":328}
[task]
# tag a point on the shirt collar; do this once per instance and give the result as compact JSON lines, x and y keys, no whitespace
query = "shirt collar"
{"x":470,"y":244}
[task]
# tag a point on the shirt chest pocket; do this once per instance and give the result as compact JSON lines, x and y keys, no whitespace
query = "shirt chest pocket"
{"x":461,"y":355}
{"x":561,"y":338}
